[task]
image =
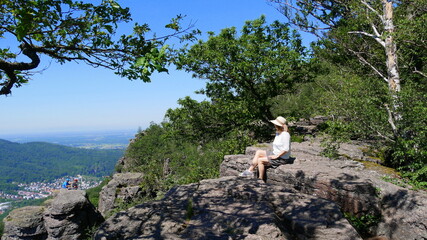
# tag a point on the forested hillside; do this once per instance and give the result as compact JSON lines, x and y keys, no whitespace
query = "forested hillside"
{"x":38,"y":161}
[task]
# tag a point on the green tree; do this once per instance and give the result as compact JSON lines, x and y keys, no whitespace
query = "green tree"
{"x":167,"y":160}
{"x":387,"y":38}
{"x":247,"y":70}
{"x":370,"y":30}
{"x":68,"y":30}
{"x":201,"y":122}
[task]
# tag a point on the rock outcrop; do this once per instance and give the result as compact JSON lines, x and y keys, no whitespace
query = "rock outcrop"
{"x":358,"y":190}
{"x":305,"y":199}
{"x":123,"y":188}
{"x":68,"y":216}
{"x":230,"y":208}
{"x":25,"y":223}
{"x":307,"y":126}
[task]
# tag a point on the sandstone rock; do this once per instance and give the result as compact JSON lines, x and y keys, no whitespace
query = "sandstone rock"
{"x":25,"y":223}
{"x":230,"y":208}
{"x":68,"y":216}
{"x":318,"y":120}
{"x":123,"y":186}
{"x":303,"y":200}
{"x":404,"y":214}
{"x":307,"y":126}
{"x":120,"y":165}
{"x":354,"y":188}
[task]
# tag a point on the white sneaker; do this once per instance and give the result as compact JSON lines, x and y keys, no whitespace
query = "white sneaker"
{"x":246,"y":173}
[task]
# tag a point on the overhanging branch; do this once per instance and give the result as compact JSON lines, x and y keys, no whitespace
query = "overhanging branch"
{"x":29,"y":52}
{"x":7,"y":86}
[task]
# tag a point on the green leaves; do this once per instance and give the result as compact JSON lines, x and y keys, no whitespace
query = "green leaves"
{"x":154,"y":60}
{"x":175,"y":23}
{"x":68,"y":30}
{"x":247,"y":69}
{"x":24,"y":25}
{"x":167,"y":159}
{"x":114,"y":4}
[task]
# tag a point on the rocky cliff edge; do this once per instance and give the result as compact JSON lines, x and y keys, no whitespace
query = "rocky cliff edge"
{"x":303,"y":200}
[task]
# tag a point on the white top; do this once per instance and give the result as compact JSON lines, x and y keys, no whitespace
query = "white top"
{"x":281,"y":143}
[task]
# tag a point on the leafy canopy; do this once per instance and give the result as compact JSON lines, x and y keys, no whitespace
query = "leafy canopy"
{"x":68,"y":30}
{"x":248,"y":69}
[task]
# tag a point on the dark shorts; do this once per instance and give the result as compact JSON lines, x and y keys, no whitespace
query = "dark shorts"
{"x":274,"y":163}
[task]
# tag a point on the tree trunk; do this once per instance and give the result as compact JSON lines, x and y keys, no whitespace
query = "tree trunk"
{"x":390,"y":49}
{"x":392,"y":67}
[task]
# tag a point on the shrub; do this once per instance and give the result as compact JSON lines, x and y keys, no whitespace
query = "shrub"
{"x":1,"y":228}
{"x":363,"y":224}
{"x":93,"y":193}
{"x":167,"y":161}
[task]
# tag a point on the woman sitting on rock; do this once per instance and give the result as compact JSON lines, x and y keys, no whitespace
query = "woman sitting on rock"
{"x":281,"y":151}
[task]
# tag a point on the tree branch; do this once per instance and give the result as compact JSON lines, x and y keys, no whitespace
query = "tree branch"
{"x":372,"y":9}
{"x":288,"y":10}
{"x":390,"y":119}
{"x":7,"y":86}
{"x":28,"y":51}
{"x":419,"y":72}
{"x":364,"y":61}
{"x":378,"y":132}
{"x":375,"y":30}
{"x":377,"y":38}
{"x":385,"y":137}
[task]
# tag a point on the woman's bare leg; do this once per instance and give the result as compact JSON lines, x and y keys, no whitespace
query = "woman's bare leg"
{"x":261,"y":167}
{"x":259,"y":154}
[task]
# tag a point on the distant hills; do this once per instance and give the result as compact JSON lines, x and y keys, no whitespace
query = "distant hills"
{"x":40,"y":161}
{"x":95,"y":139}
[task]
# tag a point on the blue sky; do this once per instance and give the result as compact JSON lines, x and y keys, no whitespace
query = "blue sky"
{"x":75,"y":97}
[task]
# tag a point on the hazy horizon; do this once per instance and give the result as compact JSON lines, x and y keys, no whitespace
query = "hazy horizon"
{"x":38,"y":132}
{"x":73,"y":138}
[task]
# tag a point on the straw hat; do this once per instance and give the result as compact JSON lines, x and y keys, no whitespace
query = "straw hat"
{"x":279,"y":121}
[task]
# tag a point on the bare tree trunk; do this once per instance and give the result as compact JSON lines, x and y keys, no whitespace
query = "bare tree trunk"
{"x":390,"y":49}
{"x":391,"y":64}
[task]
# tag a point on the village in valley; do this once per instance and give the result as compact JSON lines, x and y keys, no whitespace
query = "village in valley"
{"x":39,"y":190}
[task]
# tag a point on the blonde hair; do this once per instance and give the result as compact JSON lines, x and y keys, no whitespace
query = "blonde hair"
{"x":283,"y":128}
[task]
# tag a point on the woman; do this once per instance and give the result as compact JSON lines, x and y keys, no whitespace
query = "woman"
{"x":281,"y":150}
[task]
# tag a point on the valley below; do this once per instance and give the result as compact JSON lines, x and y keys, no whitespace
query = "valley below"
{"x":34,"y":166}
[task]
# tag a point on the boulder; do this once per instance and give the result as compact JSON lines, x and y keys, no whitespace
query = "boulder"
{"x":404,"y":213}
{"x":230,"y":208}
{"x":68,"y":216}
{"x":307,"y":126}
{"x":25,"y":223}
{"x":358,"y":190}
{"x":122,"y":188}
